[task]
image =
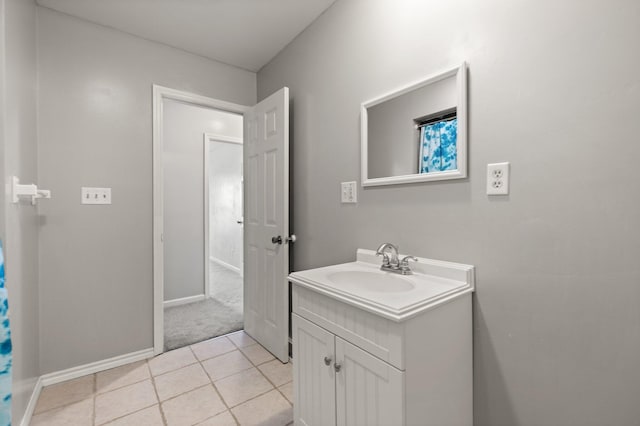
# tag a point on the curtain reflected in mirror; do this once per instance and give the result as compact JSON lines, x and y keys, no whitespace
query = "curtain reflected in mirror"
{"x":438,"y":146}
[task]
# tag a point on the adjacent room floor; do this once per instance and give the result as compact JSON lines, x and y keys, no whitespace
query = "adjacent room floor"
{"x":218,"y":315}
{"x":229,"y":380}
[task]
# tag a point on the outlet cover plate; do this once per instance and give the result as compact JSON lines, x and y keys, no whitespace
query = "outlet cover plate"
{"x":498,"y":179}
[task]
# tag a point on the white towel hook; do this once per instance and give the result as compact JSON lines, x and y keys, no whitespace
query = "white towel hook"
{"x":32,"y":191}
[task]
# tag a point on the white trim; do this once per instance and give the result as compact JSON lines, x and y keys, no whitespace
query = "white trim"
{"x":226,"y":265}
{"x":161,"y":93}
{"x":206,"y":201}
{"x":214,"y":137}
{"x":94,"y":367}
{"x":461,"y":113}
{"x":79,"y":371}
{"x":184,"y":300}
{"x":31,"y":405}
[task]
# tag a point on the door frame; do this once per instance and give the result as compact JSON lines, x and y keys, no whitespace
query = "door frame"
{"x":161,"y":93}
{"x":208,"y":138}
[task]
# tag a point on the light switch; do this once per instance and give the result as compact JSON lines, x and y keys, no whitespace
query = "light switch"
{"x":96,"y":195}
{"x":349,"y":192}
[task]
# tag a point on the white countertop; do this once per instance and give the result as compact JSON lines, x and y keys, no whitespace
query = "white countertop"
{"x":393,"y":296}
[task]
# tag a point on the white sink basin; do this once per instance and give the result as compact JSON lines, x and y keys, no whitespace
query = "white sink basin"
{"x":382,"y":282}
{"x":394,"y":296}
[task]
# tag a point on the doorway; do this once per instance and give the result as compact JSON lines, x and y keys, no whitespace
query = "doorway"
{"x":184,"y":311}
{"x":266,"y":234}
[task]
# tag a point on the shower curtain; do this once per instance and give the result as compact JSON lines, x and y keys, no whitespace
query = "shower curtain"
{"x":5,"y":351}
{"x":438,"y":147}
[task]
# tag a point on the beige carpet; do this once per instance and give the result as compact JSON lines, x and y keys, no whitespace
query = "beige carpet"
{"x":198,"y":321}
{"x":218,"y":315}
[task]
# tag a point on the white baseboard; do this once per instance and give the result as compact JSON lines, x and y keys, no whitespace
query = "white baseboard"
{"x":94,"y":367}
{"x":81,"y":370}
{"x":31,"y":406}
{"x":226,"y":265}
{"x":183,"y":300}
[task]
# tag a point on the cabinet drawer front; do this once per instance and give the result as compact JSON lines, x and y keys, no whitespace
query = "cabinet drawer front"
{"x":378,"y":336}
{"x":369,"y":391}
{"x":313,"y":378}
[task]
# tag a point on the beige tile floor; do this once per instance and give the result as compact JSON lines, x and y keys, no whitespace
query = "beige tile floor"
{"x":228,"y":380}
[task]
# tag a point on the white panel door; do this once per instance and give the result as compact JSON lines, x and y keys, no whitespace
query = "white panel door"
{"x":369,"y":391}
{"x":266,"y":267}
{"x":313,"y":374}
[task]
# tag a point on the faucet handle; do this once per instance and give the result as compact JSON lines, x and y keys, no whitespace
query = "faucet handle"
{"x":405,"y":260}
{"x":403,"y":267}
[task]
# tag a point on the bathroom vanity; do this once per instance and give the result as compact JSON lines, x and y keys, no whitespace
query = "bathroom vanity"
{"x":378,"y":348}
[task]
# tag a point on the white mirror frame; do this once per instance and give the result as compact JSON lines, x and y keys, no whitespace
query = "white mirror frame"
{"x":461,"y":111}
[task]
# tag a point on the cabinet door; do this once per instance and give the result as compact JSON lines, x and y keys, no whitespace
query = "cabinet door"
{"x":368,"y":390}
{"x":313,"y":374}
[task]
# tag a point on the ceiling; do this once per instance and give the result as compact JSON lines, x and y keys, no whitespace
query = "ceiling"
{"x":243,"y":33}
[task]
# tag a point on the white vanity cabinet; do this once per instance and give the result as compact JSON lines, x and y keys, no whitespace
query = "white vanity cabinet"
{"x":366,"y":359}
{"x":339,"y":383}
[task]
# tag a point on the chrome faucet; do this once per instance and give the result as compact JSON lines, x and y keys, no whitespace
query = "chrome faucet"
{"x":391,"y":262}
{"x":386,"y":260}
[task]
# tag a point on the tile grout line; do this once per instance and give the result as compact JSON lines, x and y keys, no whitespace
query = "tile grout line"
{"x":277,"y":388}
{"x":283,"y":395}
{"x":213,"y":385}
{"x":198,"y":361}
{"x":136,"y":411}
{"x":215,"y":388}
{"x":67,"y":404}
{"x":95,"y":395}
{"x":63,"y":405}
{"x":229,"y":407}
{"x":126,"y":415}
{"x":176,"y":369}
{"x":153,"y":383}
{"x":123,"y":386}
{"x":256,"y":366}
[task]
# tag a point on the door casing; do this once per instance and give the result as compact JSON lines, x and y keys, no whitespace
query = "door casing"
{"x":160,"y":94}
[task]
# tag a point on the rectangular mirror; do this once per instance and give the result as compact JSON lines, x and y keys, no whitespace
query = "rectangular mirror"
{"x":417,"y":133}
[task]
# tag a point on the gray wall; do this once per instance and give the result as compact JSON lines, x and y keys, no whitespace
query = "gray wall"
{"x":95,"y":130}
{"x":393,"y":141}
{"x":554,"y":88}
{"x":184,"y":126}
{"x":3,"y":158}
{"x":20,"y":222}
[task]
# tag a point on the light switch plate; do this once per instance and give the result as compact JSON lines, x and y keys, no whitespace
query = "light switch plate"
{"x":349,"y":192}
{"x":96,"y":195}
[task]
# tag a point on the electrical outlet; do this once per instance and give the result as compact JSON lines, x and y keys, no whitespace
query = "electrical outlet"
{"x":349,"y":192}
{"x":498,"y":179}
{"x":96,"y":195}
